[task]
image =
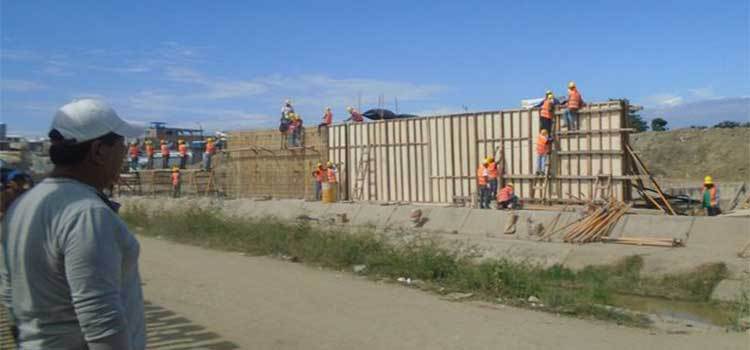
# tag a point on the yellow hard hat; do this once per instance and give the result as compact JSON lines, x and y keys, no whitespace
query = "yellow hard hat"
{"x":330,"y":163}
{"x":550,"y":96}
{"x":509,"y":184}
{"x":349,"y":109}
{"x":571,"y":84}
{"x":175,"y":168}
{"x":210,"y":139}
{"x":320,"y":165}
{"x":708,"y":180}
{"x":485,"y":161}
{"x":490,"y":159}
{"x":180,"y":141}
{"x":147,"y":141}
{"x":548,"y":92}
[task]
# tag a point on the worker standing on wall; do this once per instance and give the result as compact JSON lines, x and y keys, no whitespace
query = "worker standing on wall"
{"x":331,"y":175}
{"x":354,"y":115}
{"x":287,"y":109}
{"x":547,"y":112}
{"x":176,"y":182}
{"x":506,"y":198}
{"x":149,"y":154}
{"x":133,"y":154}
{"x":164,"y":154}
{"x":482,"y":186}
{"x":182,"y":148}
{"x":710,"y":197}
{"x":327,"y":119}
{"x":210,"y":151}
{"x":492,"y":175}
{"x":319,"y":174}
{"x":543,"y":142}
{"x":574,"y":103}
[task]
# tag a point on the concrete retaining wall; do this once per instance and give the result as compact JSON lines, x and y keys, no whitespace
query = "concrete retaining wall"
{"x":707,"y":239}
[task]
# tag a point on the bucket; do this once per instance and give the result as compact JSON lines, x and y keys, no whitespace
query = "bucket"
{"x":329,"y":193}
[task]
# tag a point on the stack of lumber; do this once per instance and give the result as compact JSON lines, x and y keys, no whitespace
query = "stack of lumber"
{"x":597,"y":224}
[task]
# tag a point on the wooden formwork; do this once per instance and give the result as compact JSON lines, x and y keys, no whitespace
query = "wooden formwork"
{"x":260,"y":163}
{"x":434,"y":159}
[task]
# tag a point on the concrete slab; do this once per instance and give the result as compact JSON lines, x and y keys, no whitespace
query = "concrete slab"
{"x":373,"y":215}
{"x":731,"y":290}
{"x":445,"y":219}
{"x":538,"y":253}
{"x":399,"y":218}
{"x":485,"y":223}
{"x":720,"y":233}
{"x":315,"y":210}
{"x":597,"y":254}
{"x":655,"y":226}
{"x":334,"y":209}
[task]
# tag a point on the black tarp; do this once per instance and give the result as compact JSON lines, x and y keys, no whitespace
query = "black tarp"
{"x":384,"y":114}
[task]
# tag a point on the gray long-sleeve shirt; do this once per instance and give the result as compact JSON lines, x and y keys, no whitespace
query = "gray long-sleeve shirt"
{"x":69,"y":269}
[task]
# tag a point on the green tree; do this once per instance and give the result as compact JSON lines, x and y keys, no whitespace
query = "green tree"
{"x":658,"y":124}
{"x":727,"y":124}
{"x":636,"y":122}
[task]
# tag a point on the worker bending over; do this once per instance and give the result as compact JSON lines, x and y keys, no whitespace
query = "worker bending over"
{"x":574,"y":103}
{"x":543,"y":143}
{"x":506,"y":198}
{"x":354,"y":115}
{"x":483,"y":190}
{"x":164,"y":154}
{"x":710,"y":197}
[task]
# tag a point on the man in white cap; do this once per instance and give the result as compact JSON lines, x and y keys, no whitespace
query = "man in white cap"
{"x":68,"y":265}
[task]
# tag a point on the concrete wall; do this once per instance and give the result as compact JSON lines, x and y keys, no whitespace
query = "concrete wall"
{"x":707,"y":239}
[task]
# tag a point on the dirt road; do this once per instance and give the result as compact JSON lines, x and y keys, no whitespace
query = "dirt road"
{"x":204,"y":299}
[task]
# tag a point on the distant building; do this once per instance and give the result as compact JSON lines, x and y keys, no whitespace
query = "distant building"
{"x":159,"y":131}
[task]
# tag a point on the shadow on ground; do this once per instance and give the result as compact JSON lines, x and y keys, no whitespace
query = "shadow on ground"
{"x":168,"y":331}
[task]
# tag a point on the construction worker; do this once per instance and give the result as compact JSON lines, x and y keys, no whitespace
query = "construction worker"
{"x":482,"y":185}
{"x":543,"y":142}
{"x":574,"y":103}
{"x":506,"y":198}
{"x":133,"y":154}
{"x":176,"y":182}
{"x":547,"y":113}
{"x":293,"y":130}
{"x":183,"y":149}
{"x":327,"y":119}
{"x":164,"y":154}
{"x":492,"y":174}
{"x":149,"y":154}
{"x":287,"y":109}
{"x":710,"y":197}
{"x":354,"y":115}
{"x":319,"y":173}
{"x":331,"y":175}
{"x":210,"y":151}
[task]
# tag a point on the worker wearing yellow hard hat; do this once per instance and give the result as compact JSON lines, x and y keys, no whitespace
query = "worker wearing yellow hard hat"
{"x":319,"y":174}
{"x":710,"y":197}
{"x":482,"y":185}
{"x":574,"y":104}
{"x":176,"y":183}
{"x":547,"y":111}
{"x":506,"y":198}
{"x":492,"y":176}
{"x":182,"y":148}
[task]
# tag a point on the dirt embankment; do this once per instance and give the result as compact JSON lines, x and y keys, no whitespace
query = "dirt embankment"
{"x":691,"y":154}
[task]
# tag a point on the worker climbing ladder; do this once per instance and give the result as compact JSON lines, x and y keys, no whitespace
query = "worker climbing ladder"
{"x":362,"y":172}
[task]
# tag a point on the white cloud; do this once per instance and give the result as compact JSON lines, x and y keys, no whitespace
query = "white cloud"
{"x":704,"y":93}
{"x":215,"y":89}
{"x":22,"y":85}
{"x":664,"y":100}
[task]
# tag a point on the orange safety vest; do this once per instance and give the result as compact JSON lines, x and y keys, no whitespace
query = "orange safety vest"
{"x":164,"y":151}
{"x":210,"y":148}
{"x":542,"y":145}
{"x":175,"y":178}
{"x":149,"y":150}
{"x":331,"y":176}
{"x":481,"y":179}
{"x":547,"y":109}
{"x":318,"y":175}
{"x":183,"y":149}
{"x":575,"y":101}
{"x":712,"y":194}
{"x":505,"y":194}
{"x":133,"y":151}
{"x":328,"y":118}
{"x":492,"y":170}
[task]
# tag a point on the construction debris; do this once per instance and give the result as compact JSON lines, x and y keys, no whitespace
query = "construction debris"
{"x":596,"y":225}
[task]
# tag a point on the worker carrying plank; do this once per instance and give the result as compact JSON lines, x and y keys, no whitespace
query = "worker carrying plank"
{"x":354,"y":115}
{"x":149,"y":154}
{"x":710,"y":197}
{"x":483,"y":190}
{"x":210,"y":151}
{"x":164,"y":154}
{"x":574,"y":103}
{"x":183,"y":149}
{"x":543,"y":142}
{"x":506,"y":198}
{"x":320,"y":175}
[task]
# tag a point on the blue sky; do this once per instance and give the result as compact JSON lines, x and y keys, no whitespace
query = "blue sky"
{"x":230,"y":64}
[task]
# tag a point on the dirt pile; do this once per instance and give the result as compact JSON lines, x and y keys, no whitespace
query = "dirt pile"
{"x":691,"y":154}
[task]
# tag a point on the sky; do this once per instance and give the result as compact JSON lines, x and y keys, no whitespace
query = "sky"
{"x":226,"y":65}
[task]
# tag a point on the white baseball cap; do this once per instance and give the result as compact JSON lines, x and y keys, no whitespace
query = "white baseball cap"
{"x":86,"y":119}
